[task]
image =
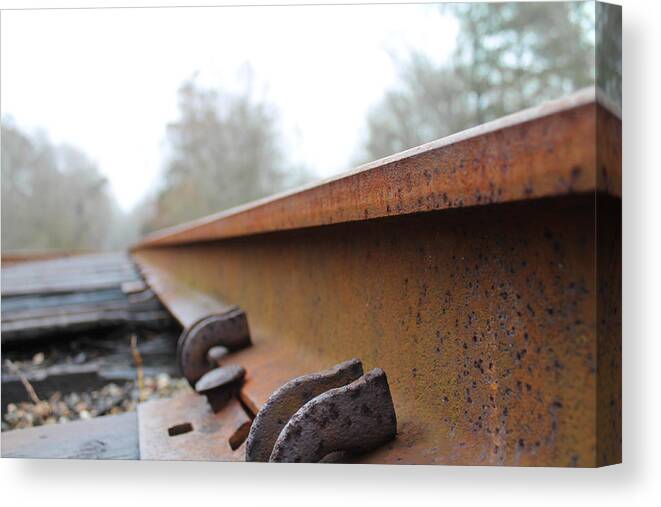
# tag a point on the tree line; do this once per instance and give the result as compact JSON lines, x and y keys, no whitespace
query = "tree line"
{"x":53,"y":197}
{"x":226,"y":148}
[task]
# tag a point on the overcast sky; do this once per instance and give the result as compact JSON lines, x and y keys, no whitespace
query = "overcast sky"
{"x":106,"y":80}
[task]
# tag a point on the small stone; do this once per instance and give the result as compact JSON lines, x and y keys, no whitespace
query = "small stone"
{"x":162,"y":381}
{"x":42,"y":409}
{"x":72,"y":399}
{"x":114,"y":390}
{"x":80,"y":358}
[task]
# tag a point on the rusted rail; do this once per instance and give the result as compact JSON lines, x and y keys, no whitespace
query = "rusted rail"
{"x":481,"y":272}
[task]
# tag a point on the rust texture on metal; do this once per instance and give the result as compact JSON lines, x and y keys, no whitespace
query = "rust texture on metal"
{"x":229,"y":330}
{"x":288,"y":399}
{"x":541,"y":152}
{"x":485,"y":321}
{"x":207,"y":321}
{"x":501,"y":344}
{"x":107,"y":437}
{"x":191,"y":306}
{"x":220,"y":385}
{"x":608,"y":245}
{"x":210,"y":436}
{"x":354,"y":418}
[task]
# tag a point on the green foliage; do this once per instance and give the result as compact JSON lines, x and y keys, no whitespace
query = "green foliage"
{"x":53,"y":197}
{"x":509,"y":56}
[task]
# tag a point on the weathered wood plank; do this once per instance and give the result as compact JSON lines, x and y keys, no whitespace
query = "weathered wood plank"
{"x":72,"y":378}
{"x":63,"y":378}
{"x":109,"y":437}
{"x":21,"y":303}
{"x":89,"y":272}
{"x":65,"y":296}
{"x":66,"y":310}
{"x":74,"y":323}
{"x":112,"y":361}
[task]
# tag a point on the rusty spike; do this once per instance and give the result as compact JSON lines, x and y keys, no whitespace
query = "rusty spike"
{"x":229,"y":330}
{"x":354,"y":418}
{"x":219,"y":384}
{"x":289,"y":398}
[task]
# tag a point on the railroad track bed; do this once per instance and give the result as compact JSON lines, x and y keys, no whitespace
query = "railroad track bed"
{"x":457,"y":303}
{"x":72,"y":328}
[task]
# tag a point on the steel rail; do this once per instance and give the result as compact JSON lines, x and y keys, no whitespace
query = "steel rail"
{"x":482,"y":272}
{"x":536,"y":153}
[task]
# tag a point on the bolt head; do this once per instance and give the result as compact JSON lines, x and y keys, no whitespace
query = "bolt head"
{"x":219,"y":378}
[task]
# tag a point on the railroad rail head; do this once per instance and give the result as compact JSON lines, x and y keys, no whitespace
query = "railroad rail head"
{"x":482,"y":271}
{"x":544,"y":151}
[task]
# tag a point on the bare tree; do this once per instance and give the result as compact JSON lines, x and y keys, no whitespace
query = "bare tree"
{"x":508,"y":56}
{"x":225,"y":149}
{"x":53,"y":197}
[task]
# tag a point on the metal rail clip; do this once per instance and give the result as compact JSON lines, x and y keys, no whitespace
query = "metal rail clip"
{"x":312,"y":416}
{"x":198,"y":344}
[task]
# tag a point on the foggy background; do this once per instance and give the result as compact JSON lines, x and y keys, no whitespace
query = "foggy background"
{"x":116,"y":123}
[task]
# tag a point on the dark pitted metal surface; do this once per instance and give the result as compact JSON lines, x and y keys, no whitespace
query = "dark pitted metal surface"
{"x":288,"y":399}
{"x":481,"y":300}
